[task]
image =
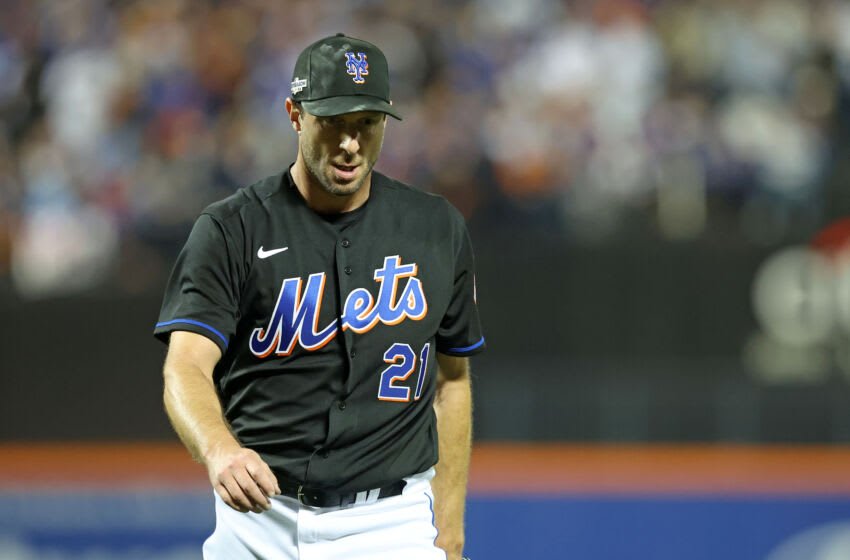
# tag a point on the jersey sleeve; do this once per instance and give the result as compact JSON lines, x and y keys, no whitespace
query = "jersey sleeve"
{"x":460,"y":332}
{"x":202,"y":292}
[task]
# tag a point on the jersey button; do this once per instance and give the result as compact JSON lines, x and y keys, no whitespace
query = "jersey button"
{"x":353,"y":352}
{"x":326,"y":454}
{"x":341,"y":405}
{"x":346,"y":243}
{"x":347,"y":270}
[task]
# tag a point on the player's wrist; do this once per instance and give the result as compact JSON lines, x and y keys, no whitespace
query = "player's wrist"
{"x":451,"y":542}
{"x":219,"y":448}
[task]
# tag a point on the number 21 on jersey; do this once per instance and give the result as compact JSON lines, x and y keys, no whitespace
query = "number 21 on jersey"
{"x":402,"y":360}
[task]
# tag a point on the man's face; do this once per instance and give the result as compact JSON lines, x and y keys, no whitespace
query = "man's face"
{"x":340,"y":151}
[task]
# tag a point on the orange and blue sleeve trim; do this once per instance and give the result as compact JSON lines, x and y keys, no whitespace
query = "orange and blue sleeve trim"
{"x":205,"y":326}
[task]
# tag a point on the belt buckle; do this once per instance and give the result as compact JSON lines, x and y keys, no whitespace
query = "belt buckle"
{"x":300,"y":493}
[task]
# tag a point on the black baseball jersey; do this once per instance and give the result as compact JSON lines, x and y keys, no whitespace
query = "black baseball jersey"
{"x":329,"y":325}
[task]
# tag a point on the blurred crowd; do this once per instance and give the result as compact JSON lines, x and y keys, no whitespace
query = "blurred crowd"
{"x":686,"y":119}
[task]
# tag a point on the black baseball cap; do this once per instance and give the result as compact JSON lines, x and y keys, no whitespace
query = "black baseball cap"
{"x":341,"y":74}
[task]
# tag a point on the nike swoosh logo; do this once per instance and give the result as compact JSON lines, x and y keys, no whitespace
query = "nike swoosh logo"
{"x":266,"y":254}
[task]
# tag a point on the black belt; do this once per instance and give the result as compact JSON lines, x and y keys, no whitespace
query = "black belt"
{"x":317,"y":497}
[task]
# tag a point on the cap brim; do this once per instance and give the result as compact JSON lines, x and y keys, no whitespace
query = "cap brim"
{"x":332,"y":106}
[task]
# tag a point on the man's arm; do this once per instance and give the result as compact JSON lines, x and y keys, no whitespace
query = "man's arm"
{"x":453,"y":405}
{"x":242,"y":479}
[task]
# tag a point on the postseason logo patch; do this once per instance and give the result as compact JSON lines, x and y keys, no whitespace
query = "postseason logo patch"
{"x":357,"y":66}
{"x":297,"y":85}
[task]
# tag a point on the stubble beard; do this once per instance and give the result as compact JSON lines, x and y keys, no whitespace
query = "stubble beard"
{"x":319,"y":173}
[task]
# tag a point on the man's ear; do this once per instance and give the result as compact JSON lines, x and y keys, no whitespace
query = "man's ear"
{"x":294,"y":115}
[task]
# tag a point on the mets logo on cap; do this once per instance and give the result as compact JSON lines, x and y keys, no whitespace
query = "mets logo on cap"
{"x":357,"y":66}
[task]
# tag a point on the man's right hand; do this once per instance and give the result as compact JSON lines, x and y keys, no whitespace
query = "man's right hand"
{"x":242,"y":479}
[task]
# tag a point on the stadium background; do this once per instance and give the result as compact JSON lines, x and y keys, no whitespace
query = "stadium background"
{"x":657,"y":192}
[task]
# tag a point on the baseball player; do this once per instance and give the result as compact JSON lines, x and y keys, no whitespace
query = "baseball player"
{"x":319,"y":325}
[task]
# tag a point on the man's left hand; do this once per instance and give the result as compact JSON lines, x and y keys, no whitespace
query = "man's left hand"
{"x":452,"y":542}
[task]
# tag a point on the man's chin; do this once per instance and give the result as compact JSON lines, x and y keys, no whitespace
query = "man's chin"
{"x":340,"y":188}
{"x":343,"y":186}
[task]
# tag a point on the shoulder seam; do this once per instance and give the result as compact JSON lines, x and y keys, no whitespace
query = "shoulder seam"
{"x":224,"y":210}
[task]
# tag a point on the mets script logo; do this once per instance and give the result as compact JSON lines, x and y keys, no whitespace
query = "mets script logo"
{"x":295,"y":318}
{"x":357,"y":66}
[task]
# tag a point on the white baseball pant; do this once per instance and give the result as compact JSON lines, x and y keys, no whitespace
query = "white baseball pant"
{"x":395,"y":528}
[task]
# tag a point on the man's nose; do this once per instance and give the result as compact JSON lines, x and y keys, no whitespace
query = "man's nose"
{"x":350,"y":143}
